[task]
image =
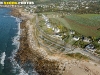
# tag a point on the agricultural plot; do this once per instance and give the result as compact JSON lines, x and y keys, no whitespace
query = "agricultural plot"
{"x":58,"y":23}
{"x":91,"y":16}
{"x":87,"y":24}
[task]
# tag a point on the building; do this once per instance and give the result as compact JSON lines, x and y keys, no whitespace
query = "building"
{"x":99,"y":41}
{"x":87,"y":39}
{"x":72,"y":32}
{"x":76,"y":38}
{"x":90,"y":47}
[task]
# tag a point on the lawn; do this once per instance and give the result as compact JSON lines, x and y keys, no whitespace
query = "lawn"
{"x":85,"y":24}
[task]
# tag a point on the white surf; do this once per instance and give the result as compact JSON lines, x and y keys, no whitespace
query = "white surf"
{"x":3,"y":55}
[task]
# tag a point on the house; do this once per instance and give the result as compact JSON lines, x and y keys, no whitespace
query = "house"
{"x":99,"y":41}
{"x":48,"y":25}
{"x":90,"y":47}
{"x":76,"y":38}
{"x":86,"y":7}
{"x":46,"y":21}
{"x":57,"y":30}
{"x":87,"y":39}
{"x":57,"y":37}
{"x":72,"y":32}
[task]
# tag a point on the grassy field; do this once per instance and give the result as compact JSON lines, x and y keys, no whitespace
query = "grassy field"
{"x":86,"y":19}
{"x":78,"y":56}
{"x":85,"y":24}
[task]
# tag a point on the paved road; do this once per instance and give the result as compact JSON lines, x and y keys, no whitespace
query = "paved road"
{"x":90,"y":55}
{"x":76,"y":50}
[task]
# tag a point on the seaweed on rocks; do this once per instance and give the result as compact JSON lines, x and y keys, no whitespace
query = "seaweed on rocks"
{"x":26,"y":55}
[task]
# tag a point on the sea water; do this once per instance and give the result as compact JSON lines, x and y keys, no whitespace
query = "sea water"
{"x":9,"y":44}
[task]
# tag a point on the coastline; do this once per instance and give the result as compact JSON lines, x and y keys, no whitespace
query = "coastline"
{"x":44,"y":64}
{"x":25,"y":54}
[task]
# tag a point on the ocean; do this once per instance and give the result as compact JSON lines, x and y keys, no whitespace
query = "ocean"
{"x":9,"y":44}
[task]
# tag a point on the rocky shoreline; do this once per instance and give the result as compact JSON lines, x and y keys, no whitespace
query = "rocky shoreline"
{"x":15,"y":12}
{"x":26,"y":54}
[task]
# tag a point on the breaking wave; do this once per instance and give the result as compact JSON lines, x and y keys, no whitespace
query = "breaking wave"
{"x":16,"y":67}
{"x":3,"y":55}
{"x":16,"y":43}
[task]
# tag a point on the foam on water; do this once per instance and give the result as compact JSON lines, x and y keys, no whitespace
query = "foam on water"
{"x":3,"y":55}
{"x":5,"y":16}
{"x":9,"y":16}
{"x":16,"y":67}
{"x":13,"y":16}
{"x":22,"y":72}
{"x":18,"y":20}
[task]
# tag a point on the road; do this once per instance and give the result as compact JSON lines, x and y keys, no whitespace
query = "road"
{"x":66,"y":49}
{"x":88,"y":54}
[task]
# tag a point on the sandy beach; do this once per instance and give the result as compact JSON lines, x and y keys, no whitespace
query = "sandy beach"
{"x":46,"y":64}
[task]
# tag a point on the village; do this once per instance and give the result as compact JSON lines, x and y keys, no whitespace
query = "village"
{"x":88,"y":43}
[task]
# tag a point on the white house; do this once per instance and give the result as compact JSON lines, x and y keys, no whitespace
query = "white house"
{"x":72,"y":32}
{"x":57,"y":30}
{"x":57,"y":37}
{"x":76,"y":38}
{"x":86,"y":39}
{"x":99,"y":41}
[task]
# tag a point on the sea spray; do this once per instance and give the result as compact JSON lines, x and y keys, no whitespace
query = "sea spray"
{"x":3,"y":55}
{"x":9,"y":33}
{"x":16,"y":68}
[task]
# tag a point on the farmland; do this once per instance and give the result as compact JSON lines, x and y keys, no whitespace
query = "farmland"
{"x":85,"y":24}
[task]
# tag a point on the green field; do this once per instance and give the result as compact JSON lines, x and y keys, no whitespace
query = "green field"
{"x":85,"y":24}
{"x":78,"y":56}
